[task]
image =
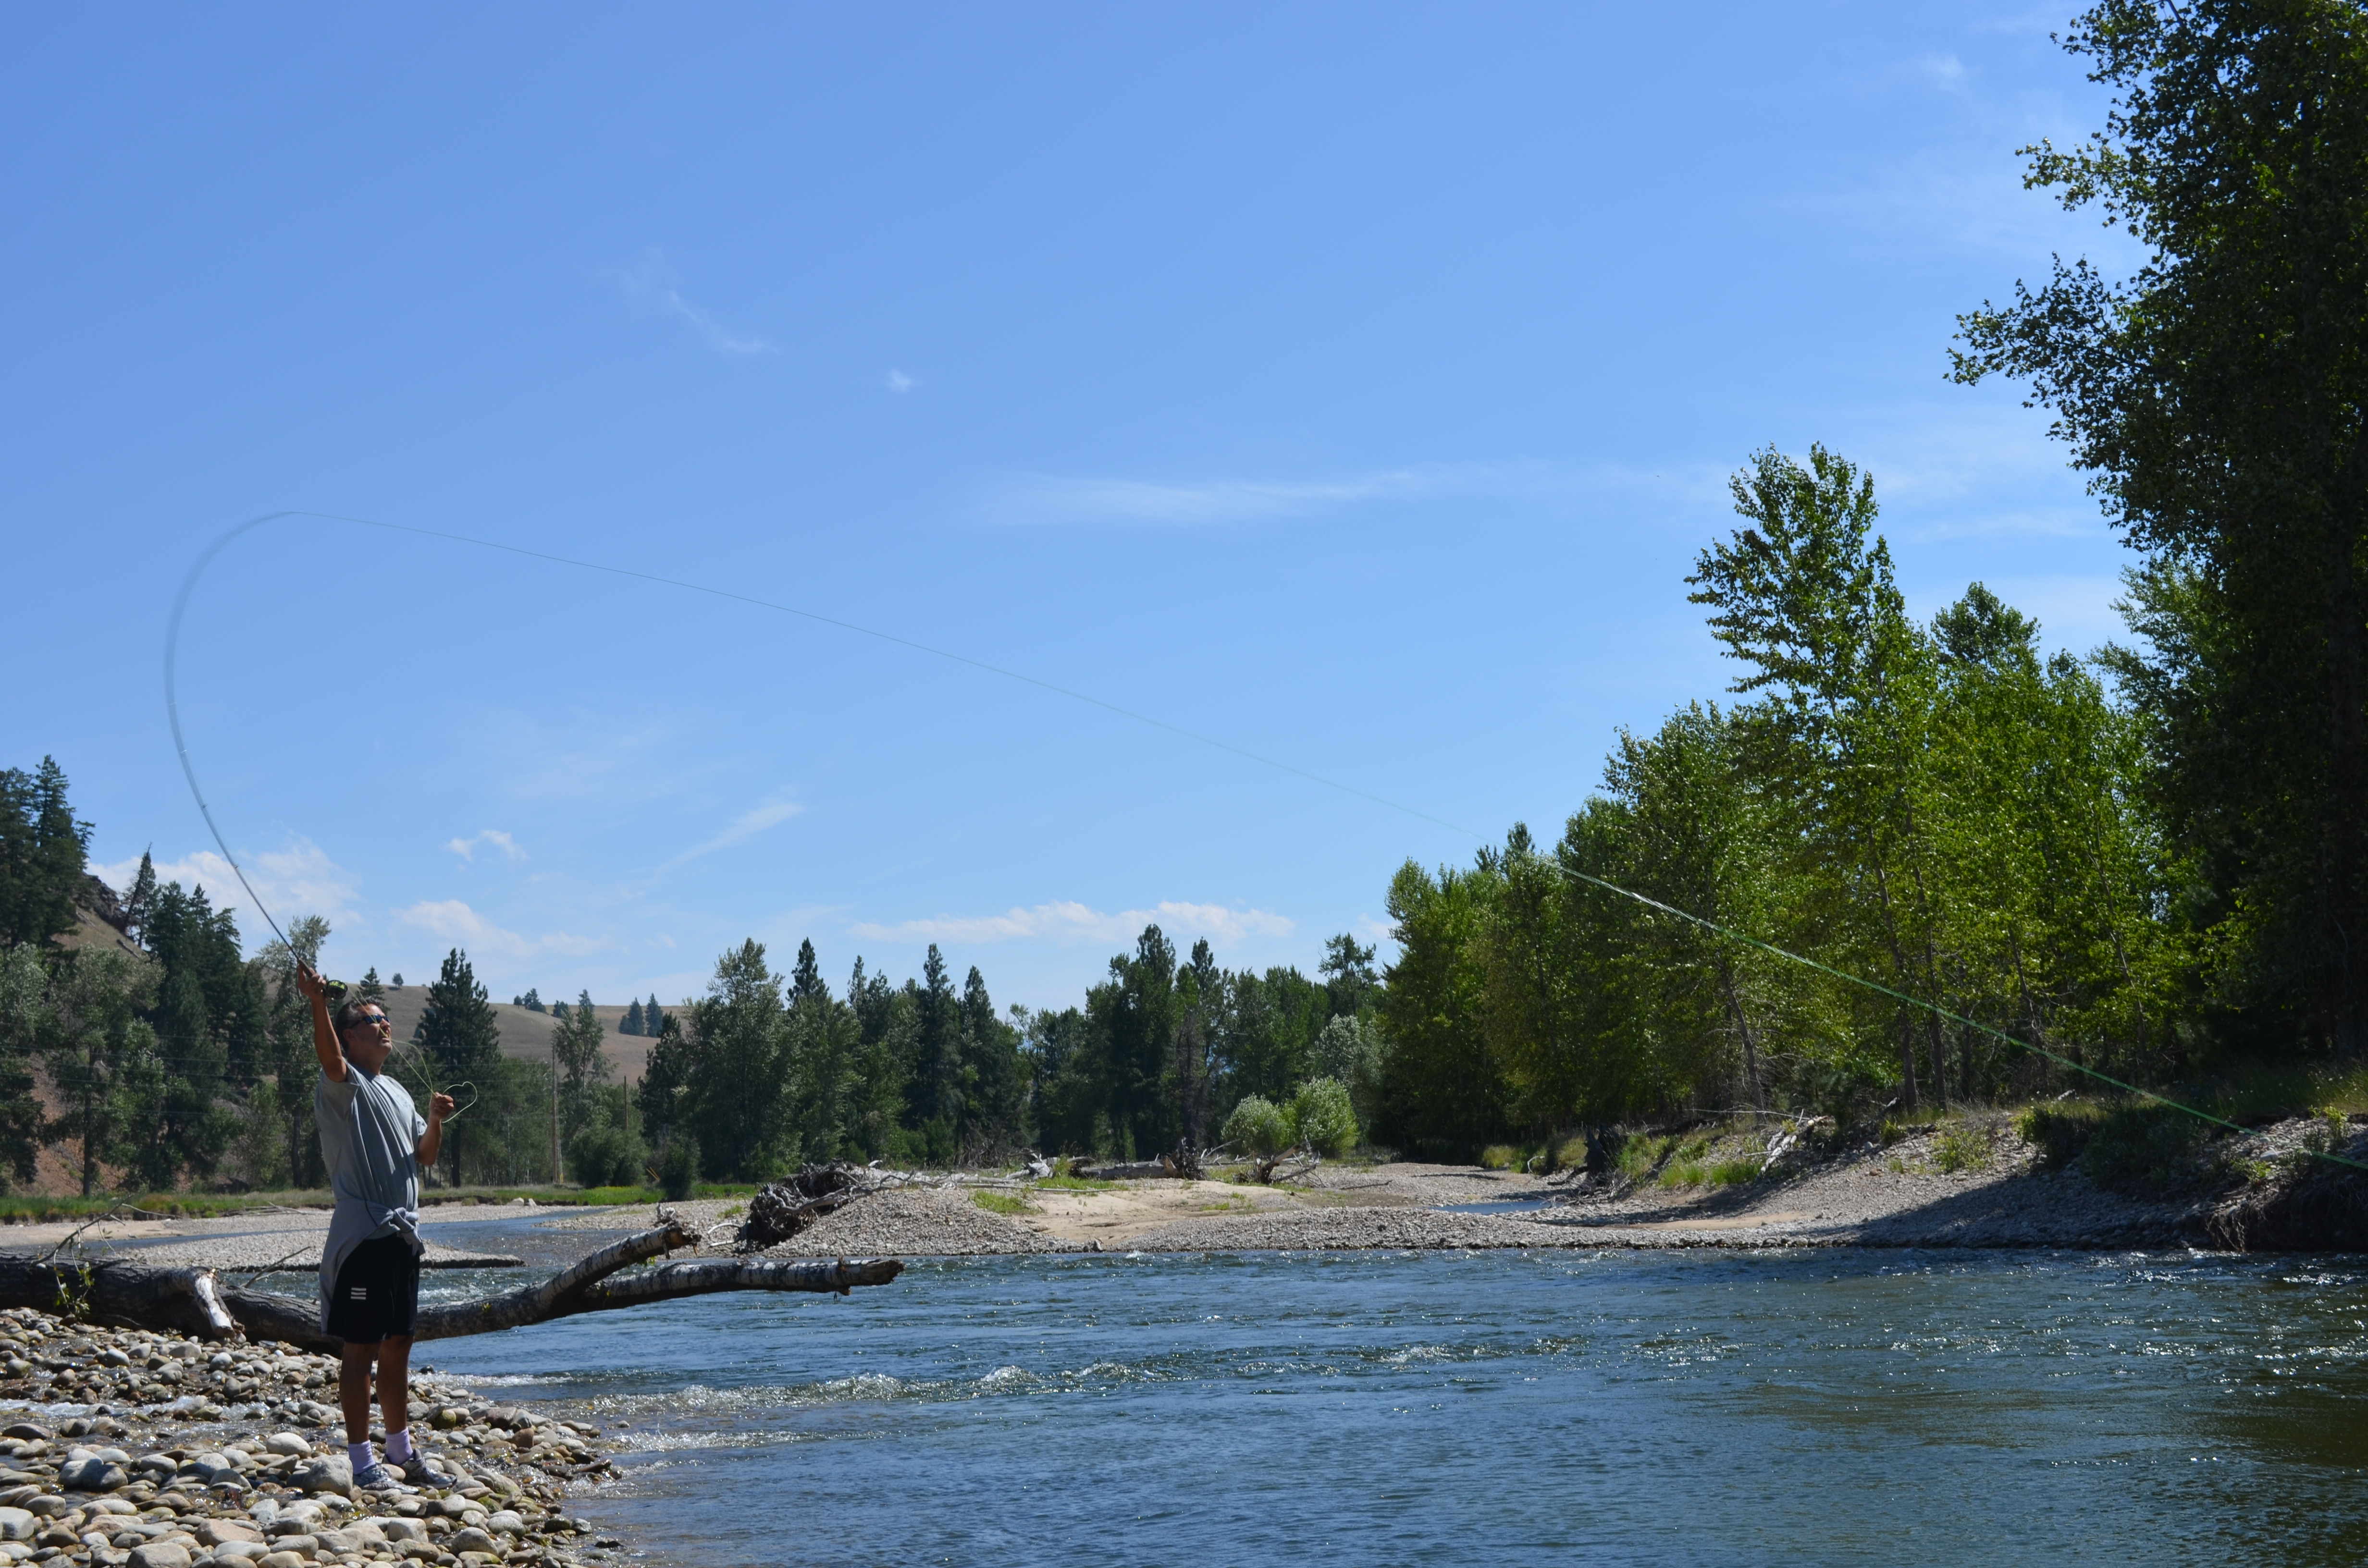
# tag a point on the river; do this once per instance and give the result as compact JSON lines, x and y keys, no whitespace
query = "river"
{"x":1375,"y":1408}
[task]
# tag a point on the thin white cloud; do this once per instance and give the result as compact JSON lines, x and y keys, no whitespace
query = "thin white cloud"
{"x":490,"y":838}
{"x":451,"y":920}
{"x":710,"y":330}
{"x":299,"y":879}
{"x":744,"y":826}
{"x":898,"y":381}
{"x":653,"y":281}
{"x":1069,"y":924}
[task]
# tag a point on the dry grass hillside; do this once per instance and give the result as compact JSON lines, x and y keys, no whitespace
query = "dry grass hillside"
{"x":528,"y":1034}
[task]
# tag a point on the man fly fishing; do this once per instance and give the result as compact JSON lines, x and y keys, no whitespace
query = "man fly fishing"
{"x":373,"y":1140}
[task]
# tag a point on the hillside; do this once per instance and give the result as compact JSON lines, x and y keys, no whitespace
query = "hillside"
{"x":527,"y":1034}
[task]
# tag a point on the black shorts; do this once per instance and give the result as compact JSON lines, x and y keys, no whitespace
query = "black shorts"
{"x":377,"y":1294}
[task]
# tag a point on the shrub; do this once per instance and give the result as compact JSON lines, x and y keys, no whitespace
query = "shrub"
{"x":1734,"y":1173}
{"x":1323,"y":1117}
{"x":2146,"y":1149}
{"x":1497,"y":1157}
{"x":1569,"y":1154}
{"x":1962,"y":1146}
{"x":606,"y":1154}
{"x":2060,"y":1130}
{"x":678,"y":1167}
{"x":1257,"y":1126}
{"x":1001,"y":1202}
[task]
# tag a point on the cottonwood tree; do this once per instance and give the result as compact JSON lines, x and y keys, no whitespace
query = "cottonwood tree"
{"x":2218,"y":398}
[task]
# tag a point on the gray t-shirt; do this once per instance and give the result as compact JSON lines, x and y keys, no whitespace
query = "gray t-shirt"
{"x":368,"y":1131}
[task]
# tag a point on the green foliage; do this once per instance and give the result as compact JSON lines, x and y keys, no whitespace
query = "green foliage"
{"x":607,"y":1150}
{"x":1257,"y":1126}
{"x":1001,"y":1202}
{"x":2060,"y":1130}
{"x":678,"y":1167}
{"x":581,"y":1066}
{"x":1321,"y":1119}
{"x":2146,"y":1149}
{"x":41,"y":855}
{"x":1962,"y":1146}
{"x":1498,"y":1157}
{"x":2217,"y":398}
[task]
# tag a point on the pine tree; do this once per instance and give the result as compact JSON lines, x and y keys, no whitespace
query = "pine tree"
{"x":632,"y":1022}
{"x":140,"y":899}
{"x":42,"y":853}
{"x":938,"y":1094}
{"x":462,"y":1040}
{"x":370,"y":990}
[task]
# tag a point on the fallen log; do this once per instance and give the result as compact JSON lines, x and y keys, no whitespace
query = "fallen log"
{"x":119,"y":1293}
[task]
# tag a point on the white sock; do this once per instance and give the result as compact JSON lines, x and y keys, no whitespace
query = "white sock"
{"x":359,"y":1455}
{"x":398,"y":1445}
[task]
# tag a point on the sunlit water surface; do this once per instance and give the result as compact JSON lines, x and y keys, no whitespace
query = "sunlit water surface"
{"x":1485,"y":1408}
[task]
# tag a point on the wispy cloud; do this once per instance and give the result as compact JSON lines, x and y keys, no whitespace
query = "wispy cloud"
{"x":489,"y":838}
{"x":450,"y":920}
{"x":299,"y":879}
{"x":898,"y":381}
{"x":744,"y":826}
{"x":653,"y":283}
{"x":1069,"y":924}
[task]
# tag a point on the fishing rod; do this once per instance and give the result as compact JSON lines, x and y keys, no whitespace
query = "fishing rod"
{"x":172,"y":642}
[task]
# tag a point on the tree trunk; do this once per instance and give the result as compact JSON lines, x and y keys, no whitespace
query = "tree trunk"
{"x":1743,"y":1028}
{"x":122,"y":1294}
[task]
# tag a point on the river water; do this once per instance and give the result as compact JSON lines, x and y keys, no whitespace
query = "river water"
{"x":1375,"y":1408}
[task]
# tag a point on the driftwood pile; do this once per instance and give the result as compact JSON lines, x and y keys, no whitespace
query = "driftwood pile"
{"x":786,"y":1208}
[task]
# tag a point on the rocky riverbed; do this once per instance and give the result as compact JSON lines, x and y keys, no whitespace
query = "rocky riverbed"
{"x":125,"y":1446}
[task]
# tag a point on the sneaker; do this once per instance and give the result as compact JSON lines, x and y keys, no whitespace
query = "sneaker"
{"x":381,"y":1480}
{"x":419,"y":1472}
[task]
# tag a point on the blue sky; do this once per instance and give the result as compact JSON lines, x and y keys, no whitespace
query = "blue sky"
{"x":1351,"y":384}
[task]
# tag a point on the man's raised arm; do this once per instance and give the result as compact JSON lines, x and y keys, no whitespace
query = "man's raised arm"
{"x":325,"y":1034}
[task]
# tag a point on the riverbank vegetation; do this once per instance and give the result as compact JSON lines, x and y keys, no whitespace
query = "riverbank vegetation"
{"x":2149,"y":862}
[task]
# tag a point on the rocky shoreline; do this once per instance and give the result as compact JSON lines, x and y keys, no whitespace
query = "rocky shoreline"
{"x":127,"y":1447}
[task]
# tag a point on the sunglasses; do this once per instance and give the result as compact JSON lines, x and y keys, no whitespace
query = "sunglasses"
{"x":371,"y":1021}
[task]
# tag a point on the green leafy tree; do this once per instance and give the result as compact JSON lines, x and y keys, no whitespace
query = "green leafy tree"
{"x":1444,"y":1093}
{"x":1257,"y":1125}
{"x":1321,"y":1119}
{"x":2218,"y":397}
{"x":1805,"y":598}
{"x":582,"y":1066}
